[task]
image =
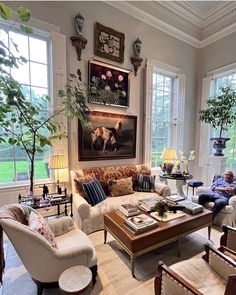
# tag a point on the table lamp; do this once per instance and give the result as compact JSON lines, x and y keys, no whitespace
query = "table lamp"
{"x":168,"y":155}
{"x":57,"y":162}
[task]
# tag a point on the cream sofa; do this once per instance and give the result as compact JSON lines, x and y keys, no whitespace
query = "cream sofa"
{"x":90,"y":218}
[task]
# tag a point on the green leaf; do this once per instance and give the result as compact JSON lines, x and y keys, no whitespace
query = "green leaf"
{"x":26,"y":29}
{"x":5,"y":11}
{"x":24,"y":14}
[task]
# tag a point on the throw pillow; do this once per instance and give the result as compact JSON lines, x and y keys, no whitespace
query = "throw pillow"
{"x":39,"y":224}
{"x":94,"y":192}
{"x":120,"y":187}
{"x":79,"y":180}
{"x":146,"y":183}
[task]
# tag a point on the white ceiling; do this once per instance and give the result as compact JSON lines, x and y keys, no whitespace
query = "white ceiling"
{"x":205,"y":6}
{"x":198,"y":23}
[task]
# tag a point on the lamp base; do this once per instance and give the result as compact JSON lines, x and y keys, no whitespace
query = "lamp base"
{"x":169,"y":167}
{"x":59,"y":190}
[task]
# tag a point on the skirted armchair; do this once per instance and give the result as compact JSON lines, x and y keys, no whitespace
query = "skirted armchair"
{"x":45,"y":259}
{"x":215,"y":274}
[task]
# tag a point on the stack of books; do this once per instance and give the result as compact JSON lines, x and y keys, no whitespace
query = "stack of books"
{"x":148,"y":205}
{"x":175,"y":198}
{"x":140,"y":223}
{"x":190,"y":207}
{"x":129,"y":210}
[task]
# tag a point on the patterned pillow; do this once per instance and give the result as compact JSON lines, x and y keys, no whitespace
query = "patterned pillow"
{"x":94,"y":192}
{"x":120,"y":187}
{"x":146,"y":183}
{"x":39,"y":224}
{"x":79,"y":180}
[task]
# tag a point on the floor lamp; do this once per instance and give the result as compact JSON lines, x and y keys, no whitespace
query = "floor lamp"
{"x":57,"y":162}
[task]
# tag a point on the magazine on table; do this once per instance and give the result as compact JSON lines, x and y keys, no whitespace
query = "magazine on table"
{"x":141,"y":221}
{"x":129,"y":210}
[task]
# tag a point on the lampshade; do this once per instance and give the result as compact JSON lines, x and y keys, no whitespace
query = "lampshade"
{"x":57,"y":162}
{"x":168,"y":154}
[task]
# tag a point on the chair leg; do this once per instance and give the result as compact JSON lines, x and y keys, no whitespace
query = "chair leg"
{"x":94,"y":270}
{"x":187,"y":190}
{"x":39,"y":287}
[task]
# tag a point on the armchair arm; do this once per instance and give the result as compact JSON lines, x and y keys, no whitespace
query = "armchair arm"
{"x":168,"y":280}
{"x":219,"y":262}
{"x":74,"y":252}
{"x":228,"y":238}
{"x":61,"y":225}
{"x":232,"y":201}
{"x":202,"y":190}
{"x":162,"y":189}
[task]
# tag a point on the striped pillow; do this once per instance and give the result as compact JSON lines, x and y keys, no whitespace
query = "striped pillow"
{"x":146,"y":183}
{"x":94,"y":192}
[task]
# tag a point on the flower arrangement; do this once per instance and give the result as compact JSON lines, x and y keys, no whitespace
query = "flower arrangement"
{"x":185,"y":158}
{"x":161,"y":207}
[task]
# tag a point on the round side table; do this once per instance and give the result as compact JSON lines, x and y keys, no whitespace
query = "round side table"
{"x":75,"y":280}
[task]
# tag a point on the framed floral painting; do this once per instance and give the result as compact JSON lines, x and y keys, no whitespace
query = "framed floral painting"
{"x":109,"y":85}
{"x":110,"y":136}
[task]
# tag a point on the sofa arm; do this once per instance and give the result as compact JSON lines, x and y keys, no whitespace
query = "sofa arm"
{"x":232,"y":201}
{"x":168,"y":280}
{"x":61,"y":225}
{"x":81,"y":207}
{"x":162,"y":189}
{"x":203,"y":190}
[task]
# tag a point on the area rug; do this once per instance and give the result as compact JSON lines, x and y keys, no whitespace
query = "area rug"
{"x":114,"y":276}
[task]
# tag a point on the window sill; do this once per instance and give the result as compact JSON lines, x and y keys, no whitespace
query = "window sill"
{"x":23,"y":185}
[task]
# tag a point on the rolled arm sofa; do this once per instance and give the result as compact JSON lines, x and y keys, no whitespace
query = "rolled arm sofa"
{"x":90,"y":218}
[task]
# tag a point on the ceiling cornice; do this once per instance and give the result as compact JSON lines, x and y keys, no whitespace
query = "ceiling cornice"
{"x":212,"y":20}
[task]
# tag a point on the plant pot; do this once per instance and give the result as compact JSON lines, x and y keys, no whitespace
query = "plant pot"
{"x":219,"y":143}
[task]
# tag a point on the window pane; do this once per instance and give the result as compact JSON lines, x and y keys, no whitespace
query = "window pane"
{"x":7,"y":170}
{"x":38,"y":50}
{"x":36,"y":95}
{"x":21,"y":42}
{"x":21,"y":74}
{"x":39,"y":75}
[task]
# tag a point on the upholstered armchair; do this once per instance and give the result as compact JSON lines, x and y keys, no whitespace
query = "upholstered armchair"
{"x":226,"y":216}
{"x":228,"y":239}
{"x":215,"y":274}
{"x":44,"y":262}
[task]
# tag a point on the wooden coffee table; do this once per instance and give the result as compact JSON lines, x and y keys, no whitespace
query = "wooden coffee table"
{"x":167,"y":232}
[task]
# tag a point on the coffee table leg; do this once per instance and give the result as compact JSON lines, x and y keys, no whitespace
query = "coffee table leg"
{"x":105,"y":236}
{"x":209,"y":232}
{"x":178,"y":246}
{"x":132,"y":265}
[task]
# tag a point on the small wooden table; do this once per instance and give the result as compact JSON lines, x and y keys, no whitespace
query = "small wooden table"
{"x":75,"y":280}
{"x":167,"y":232}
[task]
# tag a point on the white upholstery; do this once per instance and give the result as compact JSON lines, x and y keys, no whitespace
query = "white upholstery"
{"x":226,"y":216}
{"x":90,"y":218}
{"x":42,"y":261}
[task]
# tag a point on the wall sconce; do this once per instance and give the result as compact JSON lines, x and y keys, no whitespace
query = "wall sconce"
{"x":79,"y":41}
{"x":136,"y":60}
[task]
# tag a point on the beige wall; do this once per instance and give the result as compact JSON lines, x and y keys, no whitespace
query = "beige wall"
{"x":156,"y":45}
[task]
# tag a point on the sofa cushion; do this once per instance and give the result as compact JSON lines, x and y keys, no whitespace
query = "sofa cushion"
{"x":146,"y":183}
{"x":39,"y":224}
{"x":120,"y":187}
{"x":79,"y":180}
{"x":94,"y":192}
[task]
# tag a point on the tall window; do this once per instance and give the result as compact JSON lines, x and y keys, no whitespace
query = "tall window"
{"x":164,"y":111}
{"x":34,"y":79}
{"x":230,"y":151}
{"x":162,"y":115}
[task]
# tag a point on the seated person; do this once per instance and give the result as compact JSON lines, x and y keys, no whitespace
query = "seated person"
{"x":222,"y":189}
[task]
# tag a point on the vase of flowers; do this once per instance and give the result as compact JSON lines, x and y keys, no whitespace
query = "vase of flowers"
{"x":185,"y":158}
{"x":161,"y":208}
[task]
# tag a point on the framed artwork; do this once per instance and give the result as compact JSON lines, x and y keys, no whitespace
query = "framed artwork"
{"x":111,"y":136}
{"x":109,"y":43}
{"x":109,"y":85}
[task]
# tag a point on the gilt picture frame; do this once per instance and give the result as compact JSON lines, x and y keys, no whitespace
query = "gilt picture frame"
{"x":112,"y":136}
{"x":109,"y":43}
{"x":109,"y":84}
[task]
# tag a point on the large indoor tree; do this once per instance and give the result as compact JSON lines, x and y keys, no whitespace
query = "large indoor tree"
{"x":24,"y":123}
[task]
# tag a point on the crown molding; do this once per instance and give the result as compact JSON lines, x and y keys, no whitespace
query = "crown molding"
{"x":151,"y":20}
{"x":219,"y":15}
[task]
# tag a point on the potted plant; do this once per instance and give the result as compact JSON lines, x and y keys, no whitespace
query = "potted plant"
{"x":221,"y":114}
{"x":32,"y":129}
{"x":161,"y":207}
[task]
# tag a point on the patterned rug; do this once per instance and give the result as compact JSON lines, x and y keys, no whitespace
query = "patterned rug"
{"x":114,"y":276}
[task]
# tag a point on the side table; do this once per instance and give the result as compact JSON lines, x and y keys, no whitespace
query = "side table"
{"x":180,"y":181}
{"x":75,"y":280}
